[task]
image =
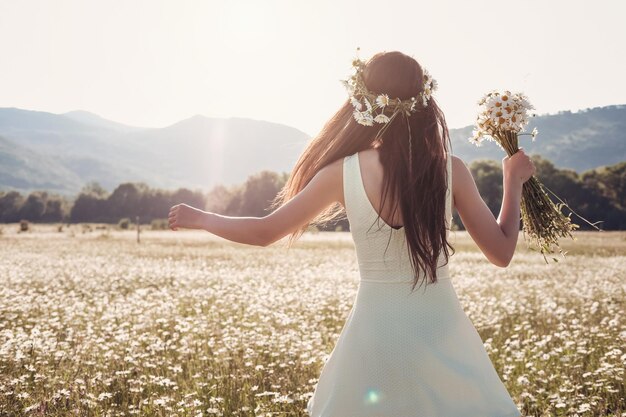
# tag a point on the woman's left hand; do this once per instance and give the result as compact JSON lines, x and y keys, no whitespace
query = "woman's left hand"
{"x":187,"y":217}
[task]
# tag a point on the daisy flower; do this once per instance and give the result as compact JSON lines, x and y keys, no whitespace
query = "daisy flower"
{"x":381,"y":118}
{"x":382,"y":100}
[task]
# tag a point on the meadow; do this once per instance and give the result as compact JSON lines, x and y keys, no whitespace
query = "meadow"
{"x":187,"y":324}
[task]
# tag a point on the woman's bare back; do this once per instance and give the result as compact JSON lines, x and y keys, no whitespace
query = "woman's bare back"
{"x":497,"y":239}
{"x":372,"y":175}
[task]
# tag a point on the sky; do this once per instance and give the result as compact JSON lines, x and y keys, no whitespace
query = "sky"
{"x":153,"y":63}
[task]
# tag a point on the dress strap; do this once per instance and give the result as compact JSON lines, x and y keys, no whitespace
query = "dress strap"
{"x":361,"y":213}
{"x":449,"y":189}
{"x":349,"y":189}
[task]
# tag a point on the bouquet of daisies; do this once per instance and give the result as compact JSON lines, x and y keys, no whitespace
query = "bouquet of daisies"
{"x":501,"y":118}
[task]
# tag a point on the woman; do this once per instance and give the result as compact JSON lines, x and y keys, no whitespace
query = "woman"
{"x":383,"y":157}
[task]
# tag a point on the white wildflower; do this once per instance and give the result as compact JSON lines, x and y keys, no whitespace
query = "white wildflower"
{"x":364,"y":118}
{"x":534,"y":133}
{"x":282,"y":399}
{"x":348,"y":86}
{"x":367,"y":104}
{"x":381,"y":118}
{"x":428,"y":79}
{"x":476,"y":138}
{"x":162,"y":401}
{"x":267,"y":393}
{"x":104,"y":395}
{"x":382,"y":100}
{"x":358,"y":116}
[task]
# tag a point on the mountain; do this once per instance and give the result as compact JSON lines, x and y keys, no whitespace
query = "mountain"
{"x":198,"y":152}
{"x":22,"y":168}
{"x":577,"y":141}
{"x":94,"y":120}
{"x":62,"y":152}
{"x":203,"y":152}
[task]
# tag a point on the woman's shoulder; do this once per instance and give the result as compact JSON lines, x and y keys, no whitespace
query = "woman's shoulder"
{"x":369,"y":155}
{"x":332,"y":169}
{"x":366,"y":157}
{"x":458,"y":164}
{"x":461,"y":176}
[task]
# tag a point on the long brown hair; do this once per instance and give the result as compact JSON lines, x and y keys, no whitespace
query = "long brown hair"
{"x":421,"y":195}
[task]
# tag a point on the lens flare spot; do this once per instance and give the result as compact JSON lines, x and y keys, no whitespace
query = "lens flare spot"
{"x":372,"y":396}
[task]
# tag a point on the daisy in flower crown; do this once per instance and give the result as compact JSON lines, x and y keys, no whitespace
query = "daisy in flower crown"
{"x":370,"y":108}
{"x":390,"y":118}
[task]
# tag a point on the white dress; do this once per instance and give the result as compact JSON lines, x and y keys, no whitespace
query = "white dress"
{"x":403,"y":354}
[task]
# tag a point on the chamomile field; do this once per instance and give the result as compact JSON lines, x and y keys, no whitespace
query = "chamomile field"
{"x":187,"y":324}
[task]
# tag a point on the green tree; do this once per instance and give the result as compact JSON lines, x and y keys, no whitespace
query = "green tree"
{"x":488,"y":177}
{"x":10,"y":204}
{"x":95,"y":189}
{"x":192,"y":198}
{"x":89,"y":208}
{"x":610,"y":181}
{"x":258,"y":193}
{"x":53,"y":211}
{"x":34,"y":206}
{"x":590,"y":199}
{"x":124,"y":201}
{"x":154,"y":204}
{"x":220,"y":198}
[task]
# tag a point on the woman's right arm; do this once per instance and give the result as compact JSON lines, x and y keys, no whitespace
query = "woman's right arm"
{"x":497,"y":239}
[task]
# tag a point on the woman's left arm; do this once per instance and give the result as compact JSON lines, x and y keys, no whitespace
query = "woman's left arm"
{"x":324,"y":189}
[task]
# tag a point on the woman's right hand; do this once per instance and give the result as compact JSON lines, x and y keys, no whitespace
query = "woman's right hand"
{"x":518,"y":166}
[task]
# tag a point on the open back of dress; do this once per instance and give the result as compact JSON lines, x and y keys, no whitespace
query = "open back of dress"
{"x":403,"y":354}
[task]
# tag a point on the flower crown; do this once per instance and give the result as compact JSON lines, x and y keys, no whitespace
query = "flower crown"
{"x":376,"y":105}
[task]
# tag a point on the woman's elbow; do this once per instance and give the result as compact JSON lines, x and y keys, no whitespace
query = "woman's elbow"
{"x":265,"y":235}
{"x":262,"y":239}
{"x":265,"y":242}
{"x":502,"y":262}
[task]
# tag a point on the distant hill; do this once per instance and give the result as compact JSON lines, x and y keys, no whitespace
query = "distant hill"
{"x":91,"y":119}
{"x":22,"y":168}
{"x":62,"y":152}
{"x":65,"y":151}
{"x":579,"y":141}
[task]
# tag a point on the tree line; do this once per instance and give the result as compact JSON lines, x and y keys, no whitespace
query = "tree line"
{"x":597,"y":195}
